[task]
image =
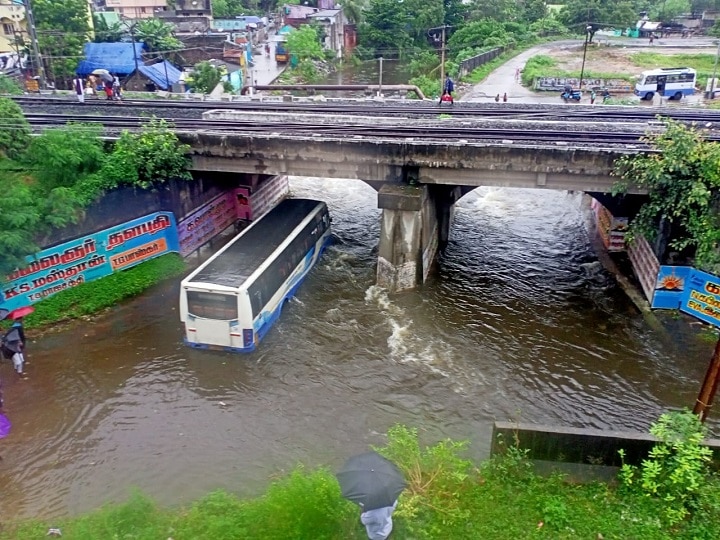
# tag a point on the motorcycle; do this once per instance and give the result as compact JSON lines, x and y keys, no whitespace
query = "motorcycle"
{"x":575,"y":95}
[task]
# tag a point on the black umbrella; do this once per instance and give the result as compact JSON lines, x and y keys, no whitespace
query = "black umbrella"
{"x":371,"y":481}
{"x":12,"y":341}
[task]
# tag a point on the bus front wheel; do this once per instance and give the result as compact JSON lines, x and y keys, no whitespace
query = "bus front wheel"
{"x":648,"y":96}
{"x":677,"y":96}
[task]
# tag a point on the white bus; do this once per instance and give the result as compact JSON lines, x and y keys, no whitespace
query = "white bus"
{"x":231,"y":301}
{"x":668,"y":82}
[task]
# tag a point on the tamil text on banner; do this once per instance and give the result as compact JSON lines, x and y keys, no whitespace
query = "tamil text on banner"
{"x":702,"y":297}
{"x":90,"y":257}
{"x":206,"y":222}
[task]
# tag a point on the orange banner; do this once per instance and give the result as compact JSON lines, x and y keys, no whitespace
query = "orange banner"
{"x":133,"y":256}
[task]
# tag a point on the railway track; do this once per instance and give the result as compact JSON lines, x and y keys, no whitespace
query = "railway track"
{"x":533,"y":134}
{"x":560,"y":112}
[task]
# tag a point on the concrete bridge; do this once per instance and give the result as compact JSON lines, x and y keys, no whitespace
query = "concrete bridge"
{"x":418,"y":179}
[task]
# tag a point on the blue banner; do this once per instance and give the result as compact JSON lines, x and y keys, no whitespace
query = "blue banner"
{"x":670,"y":287}
{"x":90,"y":257}
{"x":702,"y":297}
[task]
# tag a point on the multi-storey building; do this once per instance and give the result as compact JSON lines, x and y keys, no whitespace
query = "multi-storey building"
{"x":136,"y":9}
{"x":12,"y":24}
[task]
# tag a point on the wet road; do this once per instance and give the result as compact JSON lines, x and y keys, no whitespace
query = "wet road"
{"x":519,"y":323}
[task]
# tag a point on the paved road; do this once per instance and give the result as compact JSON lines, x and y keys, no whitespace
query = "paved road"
{"x":503,"y":80}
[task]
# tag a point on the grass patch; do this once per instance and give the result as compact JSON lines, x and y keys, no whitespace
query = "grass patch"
{"x":92,"y":297}
{"x":542,"y":65}
{"x":447,"y":497}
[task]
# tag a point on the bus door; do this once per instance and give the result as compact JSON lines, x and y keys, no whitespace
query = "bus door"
{"x":661,"y":81}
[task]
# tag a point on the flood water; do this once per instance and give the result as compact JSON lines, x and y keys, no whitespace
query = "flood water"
{"x":520,"y":323}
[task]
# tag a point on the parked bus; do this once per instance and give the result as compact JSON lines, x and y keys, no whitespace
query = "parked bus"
{"x":668,"y":82}
{"x":231,"y":301}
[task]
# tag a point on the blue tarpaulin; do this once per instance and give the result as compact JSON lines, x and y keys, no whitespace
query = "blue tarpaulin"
{"x":156,"y":73}
{"x":115,"y":57}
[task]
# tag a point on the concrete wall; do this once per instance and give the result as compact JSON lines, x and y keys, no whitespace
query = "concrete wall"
{"x":576,"y":445}
{"x":123,"y":204}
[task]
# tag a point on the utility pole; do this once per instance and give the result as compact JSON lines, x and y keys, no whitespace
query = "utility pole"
{"x":709,"y":386}
{"x":380,"y":81}
{"x":588,"y":29}
{"x":712,"y":81}
{"x":442,"y":62}
{"x":33,"y":40}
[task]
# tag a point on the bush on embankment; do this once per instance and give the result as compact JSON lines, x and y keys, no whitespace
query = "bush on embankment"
{"x":447,"y":497}
{"x":92,"y":297}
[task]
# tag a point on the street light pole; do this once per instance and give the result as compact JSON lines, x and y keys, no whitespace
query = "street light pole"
{"x":34,"y":42}
{"x":588,"y":28}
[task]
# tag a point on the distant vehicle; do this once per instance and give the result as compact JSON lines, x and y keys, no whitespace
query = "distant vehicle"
{"x":231,"y":301}
{"x":667,"y":82}
{"x":568,"y":93}
{"x":281,"y":53}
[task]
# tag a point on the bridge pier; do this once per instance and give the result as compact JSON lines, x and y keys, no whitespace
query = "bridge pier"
{"x":415,"y":223}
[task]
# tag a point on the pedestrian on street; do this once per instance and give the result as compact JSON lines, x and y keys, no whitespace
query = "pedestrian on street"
{"x":505,"y":97}
{"x":448,"y":87}
{"x":592,"y":97}
{"x":497,"y":98}
{"x":117,"y":91}
{"x":79,"y":88}
{"x":652,"y":38}
{"x":517,"y":73}
{"x":107,"y":85}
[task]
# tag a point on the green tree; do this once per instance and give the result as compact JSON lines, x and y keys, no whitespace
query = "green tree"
{"x":157,"y":36}
{"x":223,"y":9}
{"x":576,"y":14}
{"x":147,"y":159}
{"x":667,"y":10}
{"x":9,"y":86}
{"x":19,"y":218}
{"x":63,"y":29}
{"x":534,"y":10}
{"x":497,"y":10}
{"x":353,"y":9}
{"x":477,"y":34}
{"x":682,"y":177}
{"x":206,"y":77}
{"x":15,"y":131}
{"x":384,"y":29}
{"x":105,"y":33}
{"x":304,"y":43}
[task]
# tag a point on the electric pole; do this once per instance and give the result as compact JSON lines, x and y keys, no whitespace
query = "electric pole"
{"x":442,"y":62}
{"x":33,"y":40}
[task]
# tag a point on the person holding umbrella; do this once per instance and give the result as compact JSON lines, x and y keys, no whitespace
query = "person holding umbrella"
{"x":374,"y":483}
{"x":13,"y":342}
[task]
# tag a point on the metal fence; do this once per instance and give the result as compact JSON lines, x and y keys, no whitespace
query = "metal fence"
{"x":466,"y":66}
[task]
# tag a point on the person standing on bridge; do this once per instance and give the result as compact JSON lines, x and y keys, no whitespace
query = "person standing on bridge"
{"x":79,"y":88}
{"x":448,"y":88}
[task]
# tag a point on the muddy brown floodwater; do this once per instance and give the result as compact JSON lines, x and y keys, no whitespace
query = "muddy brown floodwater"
{"x":520,"y":322}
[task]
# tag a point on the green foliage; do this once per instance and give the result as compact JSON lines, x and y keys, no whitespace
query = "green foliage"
{"x":90,"y":298}
{"x":676,"y":468}
{"x":59,"y":156}
{"x":157,"y":35}
{"x":147,"y":159}
{"x":599,"y":13}
{"x":386,"y":29}
{"x":205,"y":77}
{"x":537,"y":66}
{"x":19,"y":218}
{"x":9,"y":86}
{"x":430,"y":86}
{"x":304,"y":43}
{"x":15,"y":133}
{"x":353,"y":10}
{"x":667,"y":10}
{"x":105,"y":33}
{"x":485,"y":34}
{"x":63,"y":29}
{"x":224,"y":9}
{"x":307,"y":71}
{"x":682,"y":176}
{"x":424,"y":62}
{"x":436,"y":476}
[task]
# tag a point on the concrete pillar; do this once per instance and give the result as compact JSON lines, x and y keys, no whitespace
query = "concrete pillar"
{"x":444,"y":197}
{"x":408,"y":236}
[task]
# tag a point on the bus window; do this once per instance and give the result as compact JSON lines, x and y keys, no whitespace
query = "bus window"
{"x":208,"y":305}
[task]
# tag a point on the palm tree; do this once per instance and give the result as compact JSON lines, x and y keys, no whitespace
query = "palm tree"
{"x":353,"y":10}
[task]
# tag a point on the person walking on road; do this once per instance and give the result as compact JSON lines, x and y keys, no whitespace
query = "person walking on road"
{"x":505,"y":97}
{"x":79,"y":88}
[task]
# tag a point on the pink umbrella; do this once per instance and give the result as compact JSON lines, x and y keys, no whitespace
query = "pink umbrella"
{"x":20,"y":312}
